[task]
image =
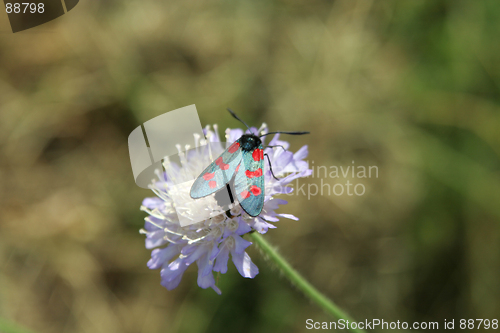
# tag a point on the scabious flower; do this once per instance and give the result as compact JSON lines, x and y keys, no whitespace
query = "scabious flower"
{"x":214,"y":236}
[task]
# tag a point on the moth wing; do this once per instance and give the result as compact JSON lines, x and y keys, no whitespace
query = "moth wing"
{"x":218,"y":173}
{"x":249,"y":183}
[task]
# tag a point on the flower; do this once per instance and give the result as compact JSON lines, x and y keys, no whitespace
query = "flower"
{"x":214,"y":235}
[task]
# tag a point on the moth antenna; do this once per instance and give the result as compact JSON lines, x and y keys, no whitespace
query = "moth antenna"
{"x":290,"y":133}
{"x":238,"y":118}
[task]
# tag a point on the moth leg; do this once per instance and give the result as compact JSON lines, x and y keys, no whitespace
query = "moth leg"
{"x":270,"y":166}
{"x":263,"y":219}
{"x":277,"y":146}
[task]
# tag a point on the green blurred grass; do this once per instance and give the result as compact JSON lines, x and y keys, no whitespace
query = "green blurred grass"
{"x":412,"y":87}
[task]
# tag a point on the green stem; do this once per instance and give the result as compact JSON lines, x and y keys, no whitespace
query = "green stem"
{"x":301,"y":283}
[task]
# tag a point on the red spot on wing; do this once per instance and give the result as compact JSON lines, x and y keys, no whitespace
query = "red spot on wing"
{"x":245,"y":194}
{"x":255,"y":190}
{"x":237,"y":168}
{"x":234,"y":147}
{"x":208,"y":176}
{"x":256,"y":173}
{"x":221,"y":164}
{"x":258,"y":154}
{"x":212,"y":184}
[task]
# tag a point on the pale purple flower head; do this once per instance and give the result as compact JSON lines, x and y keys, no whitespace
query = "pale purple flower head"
{"x":210,"y":242}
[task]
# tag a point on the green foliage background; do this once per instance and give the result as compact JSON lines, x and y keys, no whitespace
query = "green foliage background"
{"x":409,"y":86}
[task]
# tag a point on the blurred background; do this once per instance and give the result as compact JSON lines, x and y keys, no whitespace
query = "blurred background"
{"x":411,"y":87}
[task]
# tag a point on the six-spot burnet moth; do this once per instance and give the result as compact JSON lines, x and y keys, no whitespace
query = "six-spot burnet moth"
{"x":243,"y":160}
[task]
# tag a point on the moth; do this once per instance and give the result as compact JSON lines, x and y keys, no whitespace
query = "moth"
{"x":243,"y":164}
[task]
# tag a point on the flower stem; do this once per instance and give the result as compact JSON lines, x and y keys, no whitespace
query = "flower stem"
{"x":301,"y":283}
